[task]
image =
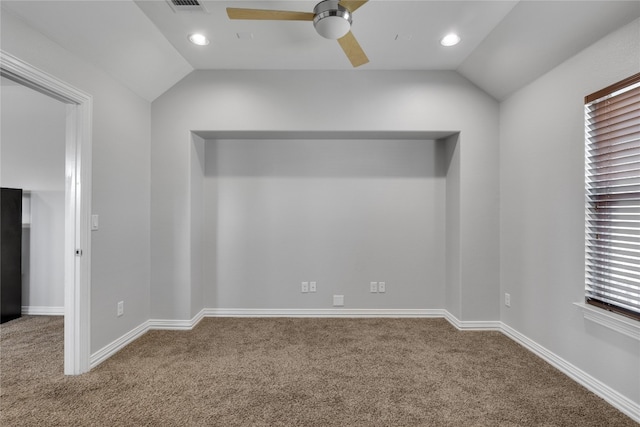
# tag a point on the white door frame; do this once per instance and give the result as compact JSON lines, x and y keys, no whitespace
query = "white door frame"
{"x":77,"y":257}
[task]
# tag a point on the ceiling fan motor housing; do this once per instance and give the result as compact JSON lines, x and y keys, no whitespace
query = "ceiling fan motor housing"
{"x":331,"y":20}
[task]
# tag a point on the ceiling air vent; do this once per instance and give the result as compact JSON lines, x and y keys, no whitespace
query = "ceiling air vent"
{"x":187,"y":6}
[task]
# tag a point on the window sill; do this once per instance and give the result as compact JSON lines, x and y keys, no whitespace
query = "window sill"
{"x":625,"y":326}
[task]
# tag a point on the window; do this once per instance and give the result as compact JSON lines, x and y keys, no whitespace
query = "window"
{"x":612,"y":182}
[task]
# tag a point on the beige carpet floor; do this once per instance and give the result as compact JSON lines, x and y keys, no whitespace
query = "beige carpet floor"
{"x":293,"y":372}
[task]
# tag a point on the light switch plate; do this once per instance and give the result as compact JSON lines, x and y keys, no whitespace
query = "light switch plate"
{"x":94,"y":222}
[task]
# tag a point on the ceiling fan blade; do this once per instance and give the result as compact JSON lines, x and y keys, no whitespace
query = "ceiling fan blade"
{"x":276,"y":15}
{"x":353,"y":50}
{"x":352,"y":5}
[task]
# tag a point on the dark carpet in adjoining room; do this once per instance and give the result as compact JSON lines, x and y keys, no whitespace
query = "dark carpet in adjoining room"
{"x":293,"y":372}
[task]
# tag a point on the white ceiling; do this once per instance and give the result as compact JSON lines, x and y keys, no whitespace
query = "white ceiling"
{"x":296,"y":45}
{"x":505,"y":44}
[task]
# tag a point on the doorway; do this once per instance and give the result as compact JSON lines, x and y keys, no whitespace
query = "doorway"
{"x":33,"y":161}
{"x":77,"y":203}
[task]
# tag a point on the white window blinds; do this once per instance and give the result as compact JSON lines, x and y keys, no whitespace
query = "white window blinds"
{"x":613,"y":197}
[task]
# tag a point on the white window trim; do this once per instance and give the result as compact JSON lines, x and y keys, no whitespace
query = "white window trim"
{"x":617,"y":322}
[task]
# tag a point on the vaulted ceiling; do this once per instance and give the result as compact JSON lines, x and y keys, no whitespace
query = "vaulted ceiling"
{"x":505,"y":44}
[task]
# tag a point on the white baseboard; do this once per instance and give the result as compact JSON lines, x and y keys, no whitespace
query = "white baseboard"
{"x":110,"y":349}
{"x":177,"y":325}
{"x":473,"y":325}
{"x":331,"y":312}
{"x":355,"y":313}
{"x":36,"y":310}
{"x":615,"y":399}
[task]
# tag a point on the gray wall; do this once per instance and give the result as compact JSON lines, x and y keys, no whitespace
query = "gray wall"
{"x":542,"y":212}
{"x":120,"y":174}
{"x":230,"y":104}
{"x":342,"y":213}
{"x":32,"y":158}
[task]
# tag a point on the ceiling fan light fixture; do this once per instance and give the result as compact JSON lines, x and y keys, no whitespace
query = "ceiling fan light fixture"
{"x":331,"y":20}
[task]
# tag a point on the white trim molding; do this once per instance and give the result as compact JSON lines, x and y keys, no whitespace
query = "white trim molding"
{"x":172,"y":325}
{"x":110,"y":349}
{"x":486,"y":325}
{"x":177,"y":325}
{"x":618,"y":323}
{"x":332,"y":312}
{"x":77,"y":255}
{"x":615,"y":399}
{"x":35,"y":310}
{"x":473,"y":325}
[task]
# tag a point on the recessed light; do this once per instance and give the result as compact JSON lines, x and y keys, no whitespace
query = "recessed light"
{"x":198,"y":39}
{"x":450,"y":40}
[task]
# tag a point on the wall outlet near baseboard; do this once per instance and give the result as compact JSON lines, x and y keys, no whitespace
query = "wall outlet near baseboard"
{"x":312,"y":286}
{"x":120,"y":310}
{"x":382,"y":287}
{"x":507,"y":299}
{"x":338,"y":300}
{"x":304,"y":288}
{"x":373,"y":287}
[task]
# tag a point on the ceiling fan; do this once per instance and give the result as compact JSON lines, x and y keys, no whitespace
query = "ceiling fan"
{"x":331,"y":19}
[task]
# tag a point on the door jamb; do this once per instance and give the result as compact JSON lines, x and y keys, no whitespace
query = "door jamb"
{"x":77,"y":257}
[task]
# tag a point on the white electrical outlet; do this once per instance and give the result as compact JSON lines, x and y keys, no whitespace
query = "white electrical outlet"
{"x":312,"y":286}
{"x":373,"y":287}
{"x":382,"y":287}
{"x":305,"y":287}
{"x":507,"y":300}
{"x":338,"y":300}
{"x":120,"y":308}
